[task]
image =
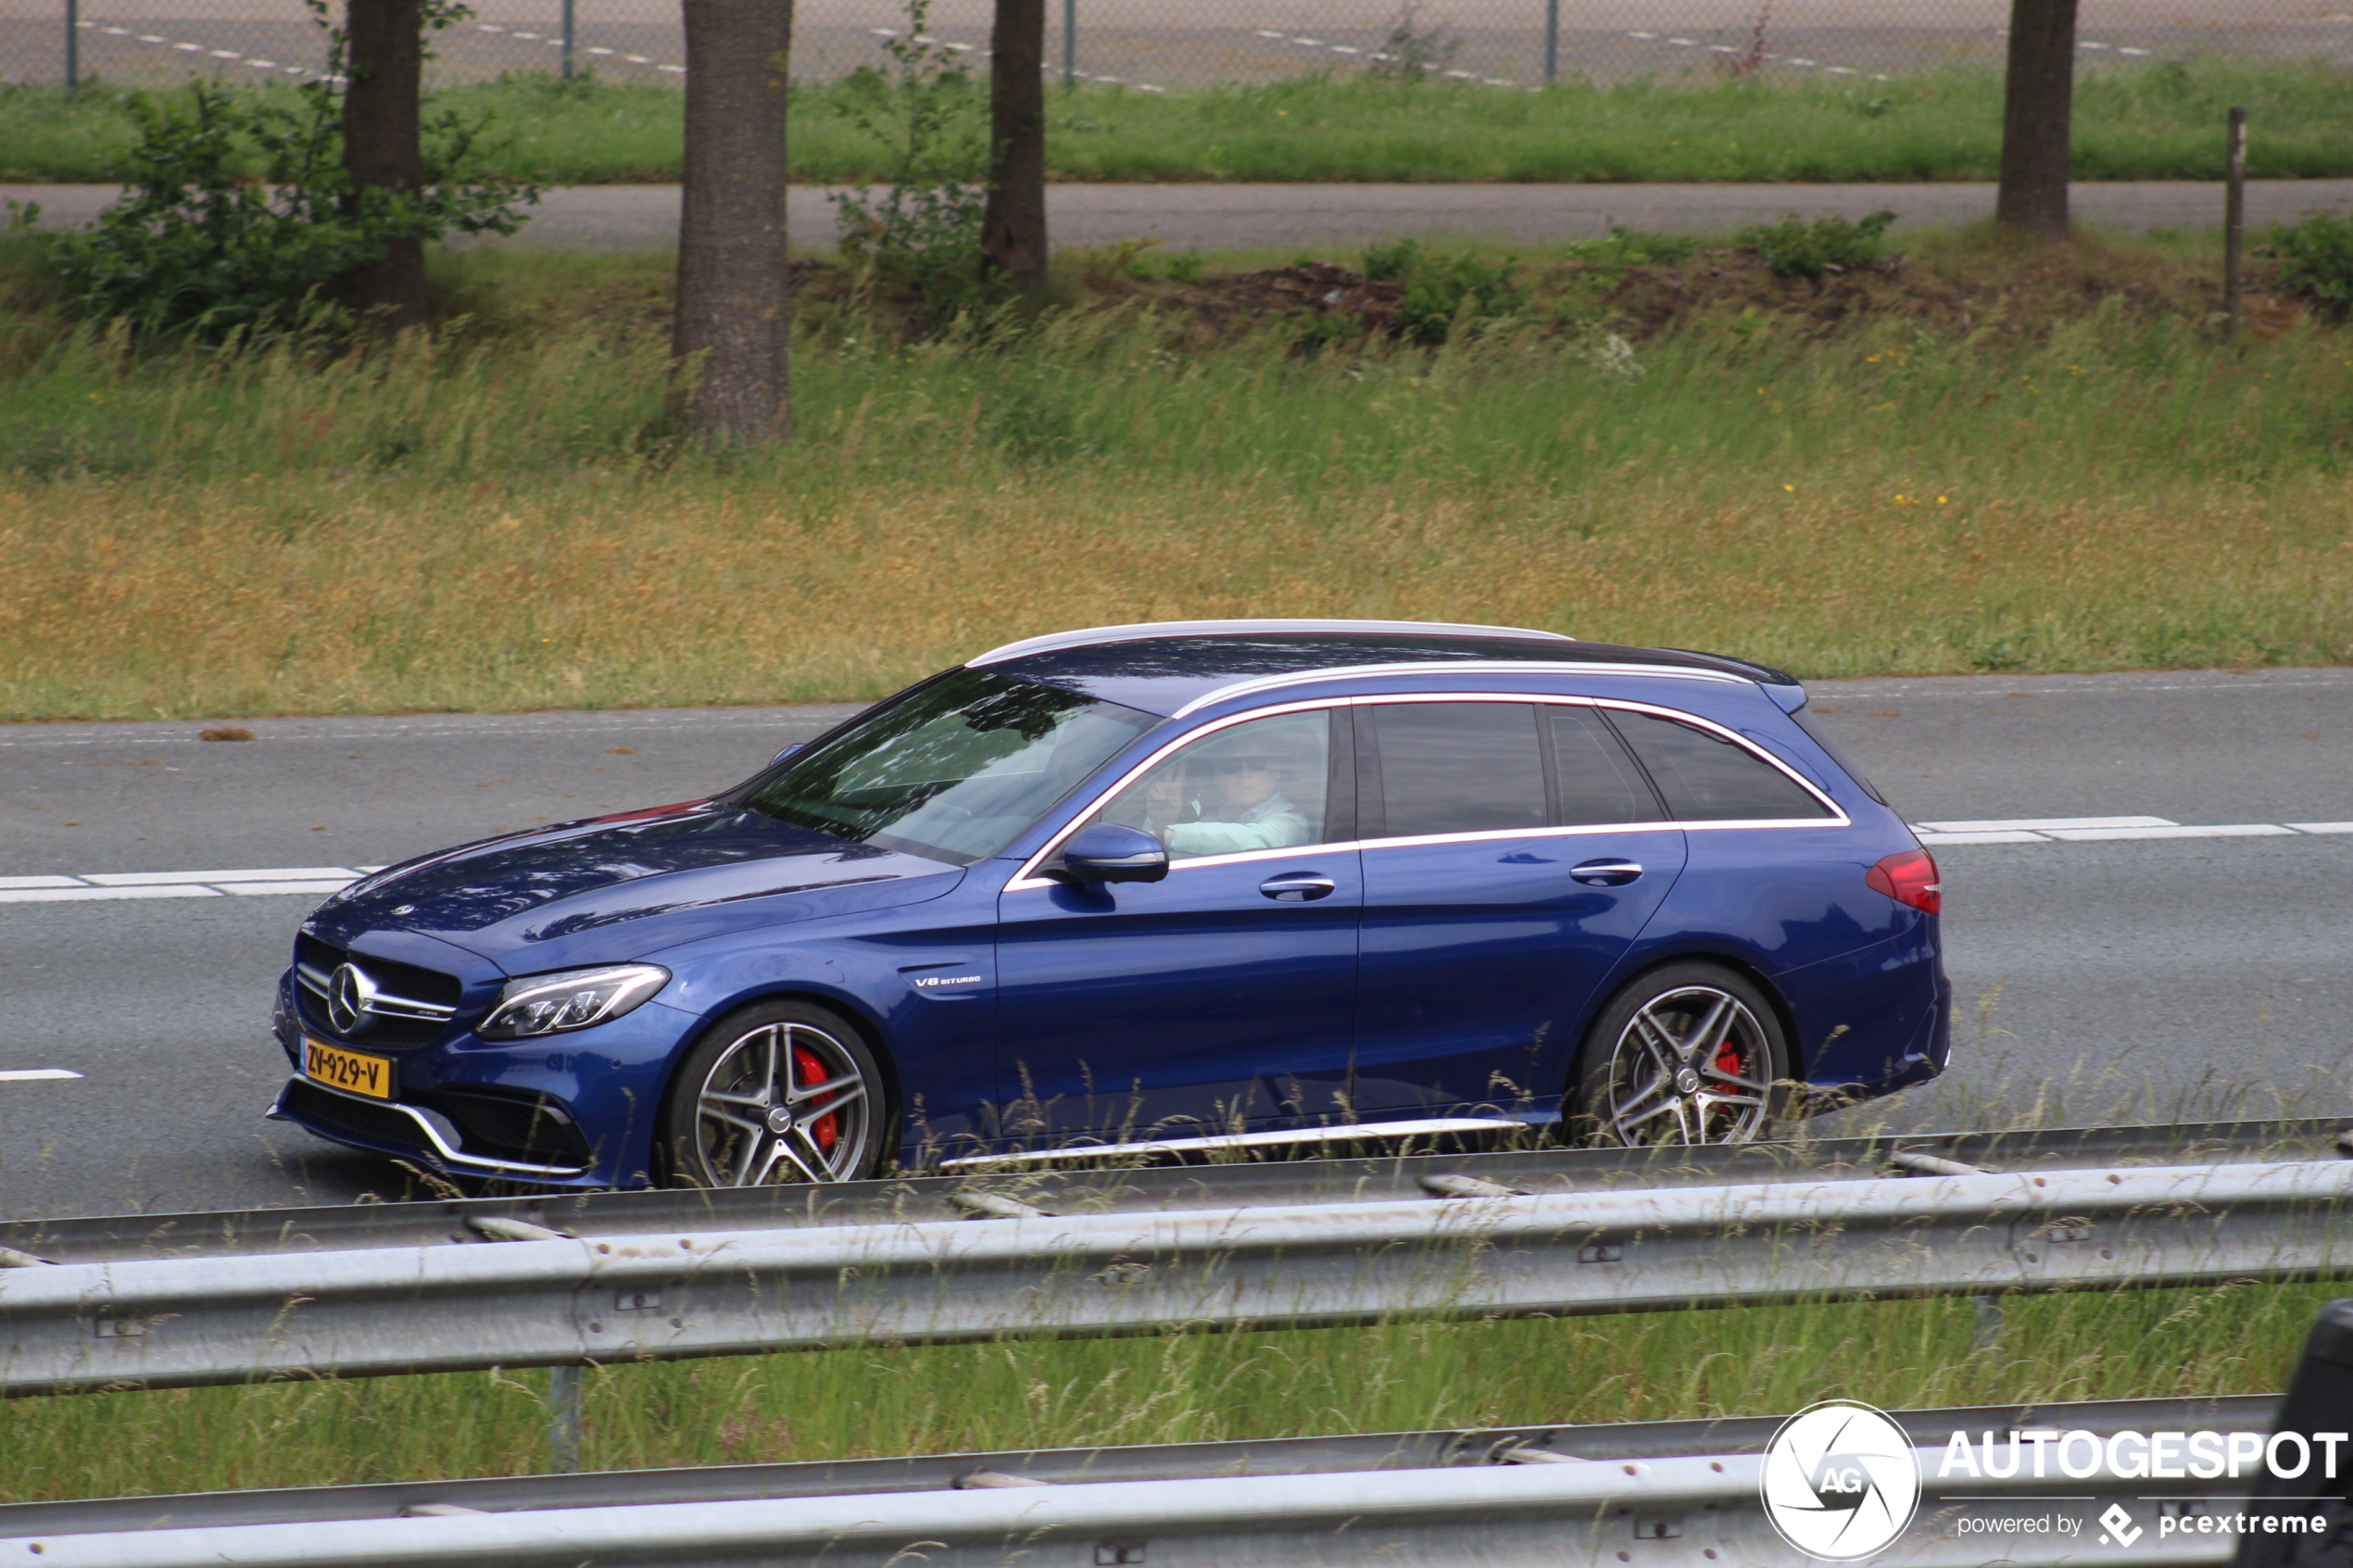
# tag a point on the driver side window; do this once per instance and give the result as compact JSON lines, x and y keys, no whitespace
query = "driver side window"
{"x":1262,"y":784}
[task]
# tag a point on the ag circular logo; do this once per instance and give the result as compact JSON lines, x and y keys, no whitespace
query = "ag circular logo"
{"x":1840,"y":1480}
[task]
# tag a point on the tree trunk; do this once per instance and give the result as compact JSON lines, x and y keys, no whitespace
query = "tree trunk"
{"x":382,"y":147}
{"x":1012,"y":225}
{"x":2036,"y":114}
{"x":732,"y":278}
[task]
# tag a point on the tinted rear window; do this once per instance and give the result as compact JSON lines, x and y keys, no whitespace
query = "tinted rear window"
{"x":1459,"y":767}
{"x":1598,"y":780}
{"x":1707,"y":778}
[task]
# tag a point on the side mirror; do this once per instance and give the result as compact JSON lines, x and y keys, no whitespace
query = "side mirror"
{"x":1108,"y":852}
{"x":782,"y":755}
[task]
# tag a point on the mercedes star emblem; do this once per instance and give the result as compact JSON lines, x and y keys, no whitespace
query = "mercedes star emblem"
{"x":350,"y":1001}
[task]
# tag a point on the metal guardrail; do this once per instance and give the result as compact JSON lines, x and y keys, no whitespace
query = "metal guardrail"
{"x":659,"y":1294}
{"x":1370,"y":1178}
{"x":1670,"y":1493}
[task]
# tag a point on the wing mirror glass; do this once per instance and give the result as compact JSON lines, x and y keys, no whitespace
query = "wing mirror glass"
{"x":1110,"y":852}
{"x":782,"y":755}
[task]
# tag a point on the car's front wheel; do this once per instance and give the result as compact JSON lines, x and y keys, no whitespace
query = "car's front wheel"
{"x":778,"y":1092}
{"x":1689,"y":1054}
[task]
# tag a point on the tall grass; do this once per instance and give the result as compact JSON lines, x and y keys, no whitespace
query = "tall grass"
{"x":1176,"y":1387}
{"x":2157,"y":120}
{"x":507,"y":521}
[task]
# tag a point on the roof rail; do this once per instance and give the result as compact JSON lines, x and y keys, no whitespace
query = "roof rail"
{"x":1140,"y":630}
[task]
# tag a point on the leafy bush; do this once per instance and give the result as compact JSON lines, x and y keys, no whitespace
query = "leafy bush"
{"x":1464,"y":291}
{"x":1636,"y":247}
{"x":1795,"y":248}
{"x":2319,"y":254}
{"x":926,"y":110}
{"x":197,"y":242}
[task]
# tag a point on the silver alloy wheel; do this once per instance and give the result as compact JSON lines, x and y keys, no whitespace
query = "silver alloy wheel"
{"x":1691,"y":1066}
{"x":783,"y":1102}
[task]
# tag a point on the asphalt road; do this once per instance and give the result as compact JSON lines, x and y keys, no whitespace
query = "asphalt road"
{"x":2154,"y":978}
{"x":622,"y":218}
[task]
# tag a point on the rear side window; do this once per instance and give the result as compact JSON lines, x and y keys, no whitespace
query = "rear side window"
{"x":1459,"y":767}
{"x":1707,"y":778}
{"x":1598,"y":780}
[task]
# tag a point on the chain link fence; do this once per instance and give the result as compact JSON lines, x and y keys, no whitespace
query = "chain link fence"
{"x":1161,"y":45}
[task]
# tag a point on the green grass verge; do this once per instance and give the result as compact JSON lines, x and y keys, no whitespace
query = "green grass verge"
{"x":2161,"y":121}
{"x":1959,"y":466}
{"x":1177,"y":1387}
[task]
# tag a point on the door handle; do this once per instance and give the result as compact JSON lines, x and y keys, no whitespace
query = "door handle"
{"x":1298,"y":887}
{"x":1604,"y":874}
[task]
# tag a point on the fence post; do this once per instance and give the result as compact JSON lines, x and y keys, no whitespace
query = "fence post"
{"x":1552,"y":39}
{"x":73,"y":47}
{"x":1070,"y":42}
{"x":2234,"y":218}
{"x":567,"y":48}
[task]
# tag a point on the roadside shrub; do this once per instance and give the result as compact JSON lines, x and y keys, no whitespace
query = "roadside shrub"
{"x":2319,"y":256}
{"x":1461,"y":291}
{"x":199,"y":241}
{"x":1795,"y":248}
{"x":924,"y":232}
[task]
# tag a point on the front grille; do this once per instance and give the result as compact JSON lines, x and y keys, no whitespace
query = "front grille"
{"x":414,"y":1003}
{"x":377,"y":1123}
{"x":530,"y":1130}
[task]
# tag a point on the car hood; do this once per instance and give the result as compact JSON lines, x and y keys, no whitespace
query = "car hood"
{"x":620,"y":887}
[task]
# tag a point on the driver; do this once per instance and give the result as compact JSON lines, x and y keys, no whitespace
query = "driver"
{"x":1238,"y":800}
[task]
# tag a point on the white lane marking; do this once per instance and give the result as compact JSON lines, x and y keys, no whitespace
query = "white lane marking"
{"x":251,"y":888}
{"x":38,"y":882}
{"x":2044,"y":824}
{"x":280,"y":873}
{"x":79,"y":894}
{"x":1931,"y":840}
{"x":34,"y":1075}
{"x":2223,"y":830}
{"x":2322,"y":827}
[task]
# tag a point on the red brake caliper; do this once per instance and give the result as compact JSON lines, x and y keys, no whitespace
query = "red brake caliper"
{"x":1728,"y":1061}
{"x":808,"y":1069}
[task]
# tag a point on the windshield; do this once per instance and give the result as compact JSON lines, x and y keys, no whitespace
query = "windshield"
{"x":954,"y":770}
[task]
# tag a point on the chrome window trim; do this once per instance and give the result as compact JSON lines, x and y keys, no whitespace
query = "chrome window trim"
{"x":1464,"y":667}
{"x":1027,"y":880}
{"x":1139,"y":631}
{"x":441,"y":1146}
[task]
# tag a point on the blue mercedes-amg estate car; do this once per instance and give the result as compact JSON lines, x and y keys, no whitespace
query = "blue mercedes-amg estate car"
{"x":1174,"y":886}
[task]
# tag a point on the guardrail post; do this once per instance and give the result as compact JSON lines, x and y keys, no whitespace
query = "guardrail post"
{"x":2319,"y":1401}
{"x":1552,"y":41}
{"x":1070,"y":42}
{"x":73,"y":47}
{"x":1985,"y":1332}
{"x":568,"y":37}
{"x":563,"y":1419}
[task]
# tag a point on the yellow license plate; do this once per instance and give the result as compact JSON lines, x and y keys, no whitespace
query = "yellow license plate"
{"x":347,"y":1069}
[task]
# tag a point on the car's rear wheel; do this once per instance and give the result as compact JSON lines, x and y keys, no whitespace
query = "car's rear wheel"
{"x":776,"y":1093}
{"x":1689,"y":1054}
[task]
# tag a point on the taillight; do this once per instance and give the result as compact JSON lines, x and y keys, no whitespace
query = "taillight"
{"x":1909,"y":878}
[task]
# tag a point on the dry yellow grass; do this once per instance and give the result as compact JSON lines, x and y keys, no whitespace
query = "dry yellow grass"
{"x":642,"y":591}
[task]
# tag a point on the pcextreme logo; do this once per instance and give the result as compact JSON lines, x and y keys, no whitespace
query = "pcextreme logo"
{"x":1840,"y":1482}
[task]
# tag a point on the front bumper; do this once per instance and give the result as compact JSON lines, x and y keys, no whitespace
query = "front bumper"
{"x":574,"y":1110}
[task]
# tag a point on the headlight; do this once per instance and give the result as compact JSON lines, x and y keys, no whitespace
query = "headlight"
{"x":574,"y":998}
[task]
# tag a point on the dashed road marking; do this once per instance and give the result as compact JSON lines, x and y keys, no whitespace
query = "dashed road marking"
{"x":252,"y":883}
{"x":34,"y":1075}
{"x":2099,"y":830}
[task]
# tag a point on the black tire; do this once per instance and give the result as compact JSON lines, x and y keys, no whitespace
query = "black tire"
{"x":1690,"y":1053}
{"x":743,"y":1110}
